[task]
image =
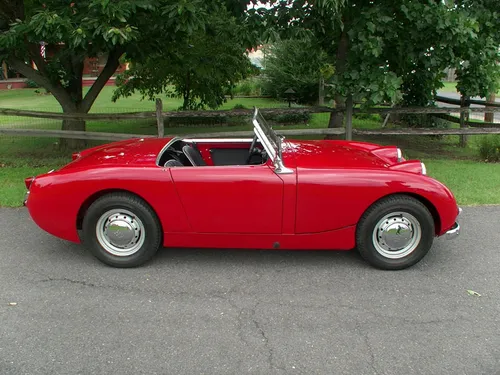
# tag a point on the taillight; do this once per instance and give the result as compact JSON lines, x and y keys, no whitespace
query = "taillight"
{"x":28,"y":181}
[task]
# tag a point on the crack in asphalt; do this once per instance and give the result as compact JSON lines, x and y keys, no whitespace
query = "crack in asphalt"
{"x":270,"y":351}
{"x":366,"y":341}
{"x":80,"y":282}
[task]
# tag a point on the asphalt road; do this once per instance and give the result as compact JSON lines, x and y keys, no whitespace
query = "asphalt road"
{"x":238,"y":312}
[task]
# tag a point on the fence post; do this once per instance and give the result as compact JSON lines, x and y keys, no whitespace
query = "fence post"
{"x":464,"y":117}
{"x":321,"y":92}
{"x":348,"y":118}
{"x":490,"y":116}
{"x":159,"y":118}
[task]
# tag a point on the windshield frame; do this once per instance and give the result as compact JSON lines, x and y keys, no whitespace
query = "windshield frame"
{"x":270,"y":140}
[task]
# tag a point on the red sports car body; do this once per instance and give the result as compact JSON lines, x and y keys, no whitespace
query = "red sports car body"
{"x":260,"y":193}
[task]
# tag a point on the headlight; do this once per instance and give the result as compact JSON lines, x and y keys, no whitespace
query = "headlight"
{"x":400,"y":155}
{"x":424,"y":169}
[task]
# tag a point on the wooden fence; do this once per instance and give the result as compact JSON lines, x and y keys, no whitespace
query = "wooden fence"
{"x":474,"y":128}
{"x":463,"y":120}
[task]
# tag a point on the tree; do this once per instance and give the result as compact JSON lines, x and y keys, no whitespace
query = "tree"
{"x":384,"y":51}
{"x":478,"y":70}
{"x":84,"y":28}
{"x":200,"y":70}
{"x":298,"y":64}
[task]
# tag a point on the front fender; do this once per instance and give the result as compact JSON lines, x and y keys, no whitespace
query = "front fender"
{"x":336,"y":198}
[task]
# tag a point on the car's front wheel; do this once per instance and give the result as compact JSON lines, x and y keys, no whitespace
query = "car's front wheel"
{"x":121,"y":230}
{"x":395,"y":233}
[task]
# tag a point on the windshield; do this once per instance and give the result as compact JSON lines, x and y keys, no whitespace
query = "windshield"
{"x":267,"y":136}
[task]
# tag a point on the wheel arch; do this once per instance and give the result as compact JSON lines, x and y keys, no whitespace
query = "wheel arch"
{"x":92,"y":198}
{"x":427,"y":203}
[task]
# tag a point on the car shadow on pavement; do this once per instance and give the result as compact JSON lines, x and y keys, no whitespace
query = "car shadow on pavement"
{"x":258,"y":257}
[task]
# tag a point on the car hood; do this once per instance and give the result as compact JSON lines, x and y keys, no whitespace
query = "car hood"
{"x":331,"y":154}
{"x":133,"y":152}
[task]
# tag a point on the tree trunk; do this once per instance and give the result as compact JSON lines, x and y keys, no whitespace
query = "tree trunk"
{"x":490,"y":116}
{"x":337,"y":118}
{"x":4,"y":70}
{"x":70,"y":97}
{"x":73,"y":144}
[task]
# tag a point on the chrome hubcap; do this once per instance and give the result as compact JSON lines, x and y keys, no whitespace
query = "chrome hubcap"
{"x":120,"y":232}
{"x":397,"y":235}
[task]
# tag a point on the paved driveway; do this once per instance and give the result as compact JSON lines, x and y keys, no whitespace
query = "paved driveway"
{"x":475,"y":115}
{"x":238,"y":312}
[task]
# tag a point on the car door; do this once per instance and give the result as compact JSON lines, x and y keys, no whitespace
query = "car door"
{"x":231,"y":199}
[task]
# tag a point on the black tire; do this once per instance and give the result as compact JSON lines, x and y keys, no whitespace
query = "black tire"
{"x":371,"y":219}
{"x":150,"y":230}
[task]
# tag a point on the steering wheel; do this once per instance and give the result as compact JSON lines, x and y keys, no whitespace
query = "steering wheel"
{"x":252,"y":147}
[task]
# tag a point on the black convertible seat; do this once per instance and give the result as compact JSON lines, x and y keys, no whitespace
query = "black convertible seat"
{"x":173,"y":163}
{"x":193,"y":155}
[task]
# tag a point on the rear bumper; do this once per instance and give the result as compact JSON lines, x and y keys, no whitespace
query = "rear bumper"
{"x":454,"y":232}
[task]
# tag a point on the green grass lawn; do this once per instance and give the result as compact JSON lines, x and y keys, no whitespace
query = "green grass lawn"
{"x":472,"y":181}
{"x":29,"y":100}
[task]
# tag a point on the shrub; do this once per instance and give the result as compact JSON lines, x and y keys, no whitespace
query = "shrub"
{"x":32,"y":84}
{"x":289,"y":118}
{"x":248,"y":87}
{"x":239,"y":106}
{"x":293,"y":64}
{"x":489,"y":148}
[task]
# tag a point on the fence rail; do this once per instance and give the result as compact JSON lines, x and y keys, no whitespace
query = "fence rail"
{"x":101,"y":136}
{"x":233,"y":112}
{"x":161,"y":116}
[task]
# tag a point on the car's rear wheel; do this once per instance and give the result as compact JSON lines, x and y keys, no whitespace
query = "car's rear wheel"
{"x":121,"y":230}
{"x":395,"y":233}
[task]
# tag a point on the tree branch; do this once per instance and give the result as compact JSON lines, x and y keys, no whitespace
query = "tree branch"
{"x":34,"y":52}
{"x":59,"y":93}
{"x":109,"y":69}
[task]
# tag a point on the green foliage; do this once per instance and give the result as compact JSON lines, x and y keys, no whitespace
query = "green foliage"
{"x":478,"y":71}
{"x":137,"y":29}
{"x":32,"y":84}
{"x":251,"y":86}
{"x":394,"y":50}
{"x":239,"y":106}
{"x":297,"y":64}
{"x":289,"y":118}
{"x":201,"y":69}
{"x":489,"y":148}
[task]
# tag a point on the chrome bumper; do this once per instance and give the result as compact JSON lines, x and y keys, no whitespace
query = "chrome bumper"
{"x":454,"y":232}
{"x":25,"y":200}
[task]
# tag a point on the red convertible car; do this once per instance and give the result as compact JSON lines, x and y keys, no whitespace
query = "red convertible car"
{"x":126,"y":199}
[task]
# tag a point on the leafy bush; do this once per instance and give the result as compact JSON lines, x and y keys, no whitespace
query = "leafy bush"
{"x":248,"y":87}
{"x":489,"y":148}
{"x":289,"y":118}
{"x":293,"y":64}
{"x":197,"y":121}
{"x":239,"y":106}
{"x":367,"y":116}
{"x":32,"y":84}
